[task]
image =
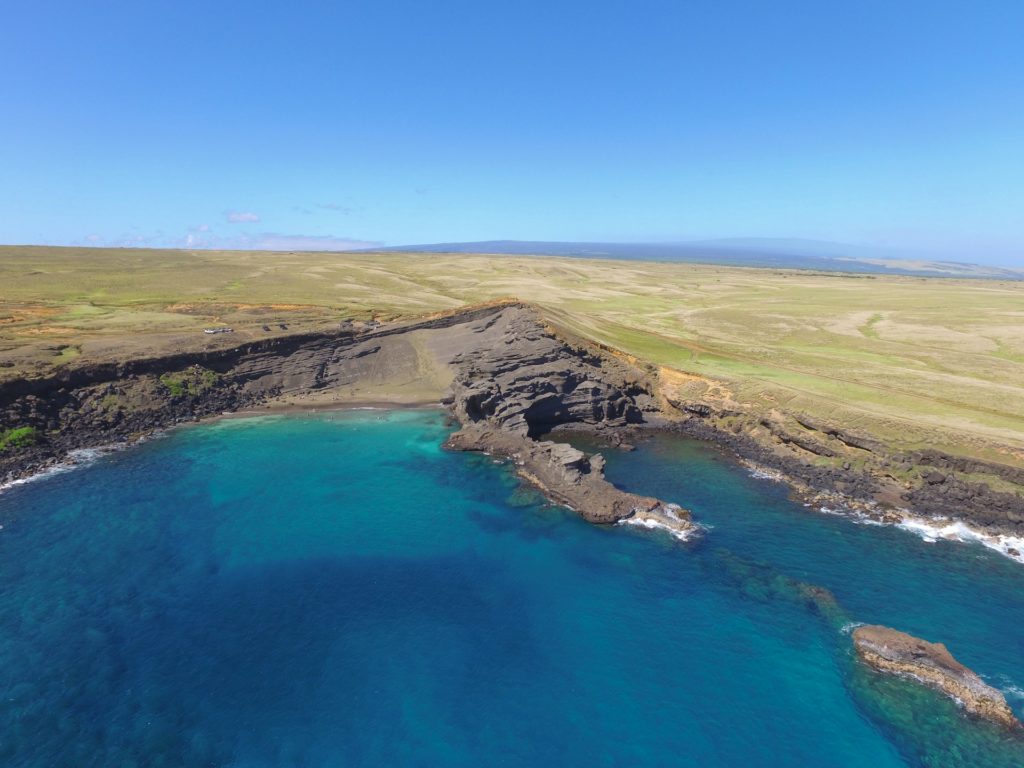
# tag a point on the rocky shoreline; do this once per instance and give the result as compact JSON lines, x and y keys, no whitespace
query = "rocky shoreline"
{"x":570,"y":477}
{"x":506,"y":395}
{"x":105,"y":403}
{"x":508,"y":379}
{"x":871,"y":492}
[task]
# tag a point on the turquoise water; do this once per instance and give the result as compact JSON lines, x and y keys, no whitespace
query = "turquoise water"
{"x":338,"y":591}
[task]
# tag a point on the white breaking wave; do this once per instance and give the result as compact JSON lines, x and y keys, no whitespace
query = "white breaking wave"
{"x":763,"y":473}
{"x":56,"y":469}
{"x":954,"y":530}
{"x":930,"y":530}
{"x":652,"y":524}
{"x":855,"y":516}
{"x":79,"y":457}
{"x":849,"y":626}
{"x":1006,"y":685}
{"x":1013,"y":692}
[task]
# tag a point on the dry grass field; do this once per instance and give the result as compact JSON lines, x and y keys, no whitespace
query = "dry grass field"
{"x":914,"y":361}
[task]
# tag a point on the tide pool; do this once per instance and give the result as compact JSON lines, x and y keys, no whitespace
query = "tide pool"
{"x":336,"y":590}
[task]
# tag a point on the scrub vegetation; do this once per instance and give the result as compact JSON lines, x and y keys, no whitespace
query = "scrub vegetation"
{"x":193,"y":381}
{"x":19,"y":437}
{"x":914,"y":361}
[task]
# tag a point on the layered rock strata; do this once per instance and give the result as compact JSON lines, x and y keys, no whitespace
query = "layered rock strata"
{"x":931,"y":664}
{"x":100,"y":403}
{"x":506,"y":378}
{"x":503,"y":370}
{"x":528,"y":382}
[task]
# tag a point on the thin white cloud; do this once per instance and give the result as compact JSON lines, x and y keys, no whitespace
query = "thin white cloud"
{"x":275,"y":241}
{"x":271,"y":241}
{"x":127,"y":240}
{"x":241,"y":217}
{"x":203,"y":237}
{"x":336,"y":207}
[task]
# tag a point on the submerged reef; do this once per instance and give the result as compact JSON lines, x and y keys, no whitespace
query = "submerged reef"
{"x":902,"y":693}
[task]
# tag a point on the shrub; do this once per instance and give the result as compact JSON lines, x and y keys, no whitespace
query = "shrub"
{"x":192,"y":381}
{"x":19,"y":437}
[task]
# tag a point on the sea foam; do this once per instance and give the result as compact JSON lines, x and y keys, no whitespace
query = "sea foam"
{"x":929,"y":530}
{"x":651,"y":524}
{"x":932,"y":530}
{"x":80,"y":457}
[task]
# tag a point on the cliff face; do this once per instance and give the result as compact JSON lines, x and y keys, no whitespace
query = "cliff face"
{"x":931,"y":664}
{"x":881,"y":481}
{"x":523,"y":382}
{"x":506,"y":378}
{"x":527,"y":381}
{"x":503,"y":373}
{"x":97,"y":404}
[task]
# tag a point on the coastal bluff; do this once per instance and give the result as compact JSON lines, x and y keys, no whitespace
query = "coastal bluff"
{"x":526,"y":382}
{"x":504,"y":375}
{"x":511,"y":376}
{"x":931,"y":664}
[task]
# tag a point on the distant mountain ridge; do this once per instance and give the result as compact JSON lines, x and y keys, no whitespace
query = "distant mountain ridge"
{"x":737,"y":252}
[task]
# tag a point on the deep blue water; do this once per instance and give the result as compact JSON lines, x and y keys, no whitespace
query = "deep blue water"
{"x":338,"y":591}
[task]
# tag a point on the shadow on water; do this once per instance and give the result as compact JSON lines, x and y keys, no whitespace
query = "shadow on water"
{"x":169,"y":687}
{"x":927,"y":728}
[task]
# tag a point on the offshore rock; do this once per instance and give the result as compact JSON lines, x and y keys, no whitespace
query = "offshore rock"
{"x":931,"y":664}
{"x":568,"y":476}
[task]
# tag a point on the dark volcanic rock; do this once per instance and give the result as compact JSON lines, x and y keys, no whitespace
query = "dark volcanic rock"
{"x":855,"y":484}
{"x":512,"y":381}
{"x":939,"y":494}
{"x":530,"y":382}
{"x":102,"y":403}
{"x":510,"y":375}
{"x":570,"y":477}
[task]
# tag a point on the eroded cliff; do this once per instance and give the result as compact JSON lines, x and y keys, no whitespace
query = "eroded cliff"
{"x":506,"y":377}
{"x":509,"y":379}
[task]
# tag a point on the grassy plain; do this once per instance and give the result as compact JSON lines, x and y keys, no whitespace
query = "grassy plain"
{"x":913,"y":361}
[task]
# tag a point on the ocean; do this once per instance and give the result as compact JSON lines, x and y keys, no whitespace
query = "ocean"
{"x":337,"y":590}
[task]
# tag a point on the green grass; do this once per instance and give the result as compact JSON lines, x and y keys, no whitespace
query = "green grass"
{"x":868,"y":329}
{"x":913,"y":361}
{"x":19,"y":437}
{"x":67,"y":354}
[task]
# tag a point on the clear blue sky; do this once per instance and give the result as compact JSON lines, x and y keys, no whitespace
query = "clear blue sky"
{"x":306,"y":124}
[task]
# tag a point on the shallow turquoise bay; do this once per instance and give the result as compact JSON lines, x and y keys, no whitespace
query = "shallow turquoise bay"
{"x":336,"y":590}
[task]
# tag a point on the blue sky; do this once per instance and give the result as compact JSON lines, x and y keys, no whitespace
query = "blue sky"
{"x":318,"y":125}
